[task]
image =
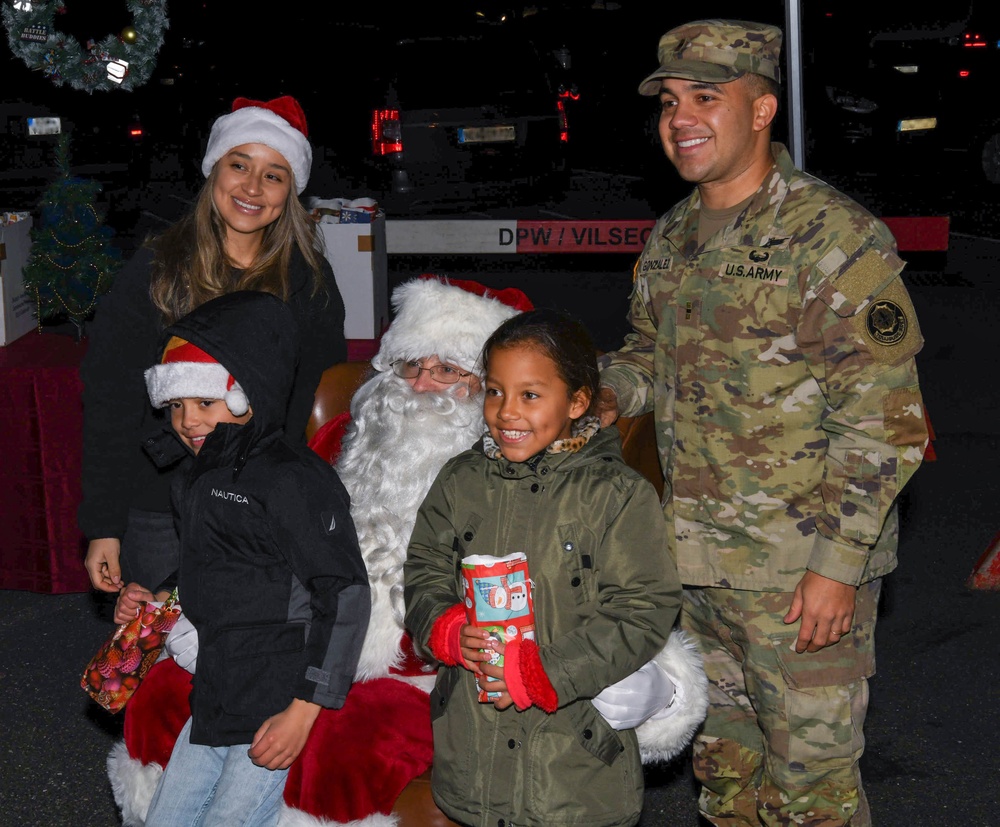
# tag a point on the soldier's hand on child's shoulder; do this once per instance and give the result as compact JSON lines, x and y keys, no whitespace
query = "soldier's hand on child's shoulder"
{"x":606,"y":406}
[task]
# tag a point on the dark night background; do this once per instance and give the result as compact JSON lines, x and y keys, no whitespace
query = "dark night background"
{"x":322,"y":54}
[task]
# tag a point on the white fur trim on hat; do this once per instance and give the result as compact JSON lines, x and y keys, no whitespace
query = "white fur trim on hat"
{"x":198,"y":380}
{"x":435,"y":317}
{"x":254,"y":125}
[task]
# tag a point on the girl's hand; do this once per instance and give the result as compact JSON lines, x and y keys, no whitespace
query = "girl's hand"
{"x":491,"y":670}
{"x":129,"y":600}
{"x":475,"y":645}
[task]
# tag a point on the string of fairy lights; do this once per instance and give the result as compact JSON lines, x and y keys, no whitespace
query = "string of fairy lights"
{"x":73,"y":311}
{"x":70,"y":264}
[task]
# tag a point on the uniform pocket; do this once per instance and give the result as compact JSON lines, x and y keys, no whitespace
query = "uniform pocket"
{"x":859,"y":482}
{"x":826,"y":699}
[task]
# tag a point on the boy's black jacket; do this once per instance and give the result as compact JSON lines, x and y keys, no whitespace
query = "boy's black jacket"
{"x":271,"y":574}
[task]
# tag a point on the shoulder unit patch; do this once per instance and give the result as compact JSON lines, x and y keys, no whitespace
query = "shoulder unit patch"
{"x":886,"y":322}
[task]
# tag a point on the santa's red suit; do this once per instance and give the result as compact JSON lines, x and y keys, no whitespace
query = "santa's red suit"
{"x":358,"y":758}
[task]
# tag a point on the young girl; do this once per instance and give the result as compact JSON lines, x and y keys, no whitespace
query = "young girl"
{"x":545,"y":481}
{"x":247,"y":230}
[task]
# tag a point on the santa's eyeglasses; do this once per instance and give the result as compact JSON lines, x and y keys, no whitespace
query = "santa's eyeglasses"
{"x":410,"y":369}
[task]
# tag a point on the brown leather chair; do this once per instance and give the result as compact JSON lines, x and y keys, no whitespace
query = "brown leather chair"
{"x":415,"y":806}
{"x":639,"y":447}
{"x":336,"y":389}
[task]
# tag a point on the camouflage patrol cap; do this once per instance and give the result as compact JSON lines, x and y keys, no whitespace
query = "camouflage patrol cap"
{"x":716,"y":51}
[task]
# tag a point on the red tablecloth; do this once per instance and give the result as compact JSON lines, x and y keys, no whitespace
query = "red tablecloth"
{"x":41,"y":549}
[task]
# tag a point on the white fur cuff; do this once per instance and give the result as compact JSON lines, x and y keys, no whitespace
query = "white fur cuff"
{"x":667,"y":734}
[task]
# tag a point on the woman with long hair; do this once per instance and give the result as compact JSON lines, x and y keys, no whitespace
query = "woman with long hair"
{"x":246,"y":231}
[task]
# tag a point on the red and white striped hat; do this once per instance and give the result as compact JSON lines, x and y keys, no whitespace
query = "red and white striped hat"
{"x":187,"y":371}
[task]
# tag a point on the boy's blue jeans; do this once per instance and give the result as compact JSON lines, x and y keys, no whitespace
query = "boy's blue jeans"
{"x":211,"y":786}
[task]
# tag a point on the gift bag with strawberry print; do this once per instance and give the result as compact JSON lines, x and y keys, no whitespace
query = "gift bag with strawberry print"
{"x":114,"y":673}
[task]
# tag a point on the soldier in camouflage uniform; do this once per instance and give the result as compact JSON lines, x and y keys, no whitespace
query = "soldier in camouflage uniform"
{"x":775,"y":341}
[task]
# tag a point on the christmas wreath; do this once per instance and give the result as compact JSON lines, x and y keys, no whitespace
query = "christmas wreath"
{"x":122,"y":61}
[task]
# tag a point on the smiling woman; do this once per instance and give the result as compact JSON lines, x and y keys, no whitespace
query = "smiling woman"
{"x":250,"y":189}
{"x":246,"y":231}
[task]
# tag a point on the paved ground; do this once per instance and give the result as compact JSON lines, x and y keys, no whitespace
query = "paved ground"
{"x":933,"y":750}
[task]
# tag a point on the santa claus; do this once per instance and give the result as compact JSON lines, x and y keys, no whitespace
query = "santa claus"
{"x":422,"y":406}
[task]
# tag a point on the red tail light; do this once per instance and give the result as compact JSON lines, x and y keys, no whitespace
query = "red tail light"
{"x":135,"y":132}
{"x":563,"y":122}
{"x":386,"y":136}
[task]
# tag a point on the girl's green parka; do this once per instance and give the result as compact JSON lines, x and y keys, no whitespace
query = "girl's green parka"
{"x":606,"y":594}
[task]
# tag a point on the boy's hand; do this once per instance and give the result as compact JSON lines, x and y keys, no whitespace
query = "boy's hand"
{"x":103,"y":564}
{"x":473,"y":641}
{"x":130,"y":598}
{"x":281,"y":737}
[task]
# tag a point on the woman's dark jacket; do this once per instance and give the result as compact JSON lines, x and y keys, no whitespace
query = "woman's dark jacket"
{"x":124,"y":340}
{"x":271,"y":573}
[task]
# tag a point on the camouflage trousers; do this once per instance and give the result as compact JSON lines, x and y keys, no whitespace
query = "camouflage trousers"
{"x":783,"y":736}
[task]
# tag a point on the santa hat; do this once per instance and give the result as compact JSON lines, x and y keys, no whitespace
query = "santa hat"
{"x":187,"y":371}
{"x":450,"y":318}
{"x":279,"y":124}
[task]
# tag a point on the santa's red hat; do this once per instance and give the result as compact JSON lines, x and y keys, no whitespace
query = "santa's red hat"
{"x":279,"y":124}
{"x":449,"y":318}
{"x":187,"y":371}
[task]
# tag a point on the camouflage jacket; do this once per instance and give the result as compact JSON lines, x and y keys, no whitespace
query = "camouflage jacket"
{"x":779,"y":361}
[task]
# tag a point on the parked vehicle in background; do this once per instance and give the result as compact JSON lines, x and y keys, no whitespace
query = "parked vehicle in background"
{"x":910,"y":94}
{"x":108,"y":142}
{"x":971,"y":111}
{"x":470,"y":117}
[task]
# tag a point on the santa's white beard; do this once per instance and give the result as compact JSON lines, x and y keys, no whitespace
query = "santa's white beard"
{"x":392,"y":451}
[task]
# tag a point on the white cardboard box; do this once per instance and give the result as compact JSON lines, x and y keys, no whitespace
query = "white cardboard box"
{"x":357,"y":254}
{"x":17,"y":315}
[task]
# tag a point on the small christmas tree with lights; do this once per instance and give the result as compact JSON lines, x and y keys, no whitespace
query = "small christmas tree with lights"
{"x":71,"y":261}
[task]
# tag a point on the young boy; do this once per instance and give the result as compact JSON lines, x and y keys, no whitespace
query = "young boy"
{"x":270,"y":572}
